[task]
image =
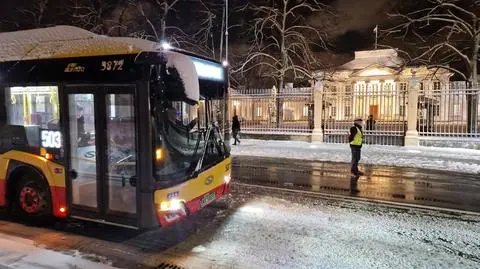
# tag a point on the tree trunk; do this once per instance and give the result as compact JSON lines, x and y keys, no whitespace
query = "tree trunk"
{"x":472,"y":94}
{"x":279,"y":103}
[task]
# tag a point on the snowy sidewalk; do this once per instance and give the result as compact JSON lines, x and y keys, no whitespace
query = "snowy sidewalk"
{"x":449,"y":159}
{"x":19,"y":253}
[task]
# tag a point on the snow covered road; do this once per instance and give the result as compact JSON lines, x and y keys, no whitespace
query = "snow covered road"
{"x":262,"y":229}
{"x":290,"y":232}
{"x":447,"y":159}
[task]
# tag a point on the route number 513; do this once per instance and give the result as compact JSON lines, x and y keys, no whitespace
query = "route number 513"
{"x":112,"y":65}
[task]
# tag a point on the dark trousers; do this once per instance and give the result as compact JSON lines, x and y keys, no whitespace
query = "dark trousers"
{"x":356,"y":155}
{"x":235,"y":137}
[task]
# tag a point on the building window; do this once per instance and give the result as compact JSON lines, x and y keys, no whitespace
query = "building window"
{"x":348,"y":111}
{"x":259,"y":111}
{"x":436,"y":87}
{"x":436,"y":110}
{"x":305,"y":111}
{"x":348,"y":89}
{"x":421,"y":87}
{"x":456,"y":110}
{"x":403,"y":86}
{"x":334,"y":111}
{"x":332,"y":90}
{"x":402,"y":110}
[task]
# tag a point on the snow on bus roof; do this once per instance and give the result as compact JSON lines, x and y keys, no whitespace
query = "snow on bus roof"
{"x":66,"y":42}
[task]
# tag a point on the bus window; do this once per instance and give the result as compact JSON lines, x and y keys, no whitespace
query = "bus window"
{"x":180,"y":140}
{"x":121,"y":152}
{"x":33,"y":105}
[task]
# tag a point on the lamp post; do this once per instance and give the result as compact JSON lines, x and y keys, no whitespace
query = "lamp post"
{"x":226,"y":99}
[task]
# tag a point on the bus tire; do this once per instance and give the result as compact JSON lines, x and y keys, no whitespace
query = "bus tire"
{"x":32,"y":202}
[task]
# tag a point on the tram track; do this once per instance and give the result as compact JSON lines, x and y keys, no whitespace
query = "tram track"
{"x":447,"y":192}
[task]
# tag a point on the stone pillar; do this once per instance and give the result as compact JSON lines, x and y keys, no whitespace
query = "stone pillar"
{"x":411,"y":136}
{"x":317,"y":134}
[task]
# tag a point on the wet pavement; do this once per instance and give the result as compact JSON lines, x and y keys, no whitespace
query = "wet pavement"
{"x":261,"y":229}
{"x":394,"y":184}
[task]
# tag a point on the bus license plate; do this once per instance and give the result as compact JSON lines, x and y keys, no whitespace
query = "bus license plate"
{"x":207,"y":199}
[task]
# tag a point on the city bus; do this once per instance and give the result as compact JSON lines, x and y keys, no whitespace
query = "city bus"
{"x":115,"y":130}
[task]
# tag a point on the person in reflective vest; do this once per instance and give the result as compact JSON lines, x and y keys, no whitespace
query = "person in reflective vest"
{"x":356,"y":142}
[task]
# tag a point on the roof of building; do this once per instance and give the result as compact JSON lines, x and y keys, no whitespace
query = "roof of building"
{"x":65,"y":42}
{"x":383,"y":57}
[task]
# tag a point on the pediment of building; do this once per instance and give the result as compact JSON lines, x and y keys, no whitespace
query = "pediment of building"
{"x":374,"y":71}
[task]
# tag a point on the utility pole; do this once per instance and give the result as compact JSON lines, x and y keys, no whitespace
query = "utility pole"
{"x":226,"y":32}
{"x":226,"y":109}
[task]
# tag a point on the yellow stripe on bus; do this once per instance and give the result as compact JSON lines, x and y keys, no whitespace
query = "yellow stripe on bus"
{"x":202,"y":184}
{"x":49,"y":169}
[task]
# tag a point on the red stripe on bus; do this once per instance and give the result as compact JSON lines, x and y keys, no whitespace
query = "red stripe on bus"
{"x":59,"y":202}
{"x":193,"y":207}
{"x":3,"y":194}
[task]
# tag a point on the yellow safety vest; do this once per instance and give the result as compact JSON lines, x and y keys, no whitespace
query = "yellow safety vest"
{"x":358,"y":139}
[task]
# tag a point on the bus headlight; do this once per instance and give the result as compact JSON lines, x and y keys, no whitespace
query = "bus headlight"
{"x":227,"y":179}
{"x":172,"y":205}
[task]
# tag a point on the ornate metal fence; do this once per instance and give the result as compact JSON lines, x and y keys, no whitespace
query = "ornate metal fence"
{"x":268,"y":111}
{"x":449,"y":110}
{"x":382,"y":106}
{"x":449,"y":115}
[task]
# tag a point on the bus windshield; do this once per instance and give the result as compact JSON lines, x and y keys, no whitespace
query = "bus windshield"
{"x":184,"y":143}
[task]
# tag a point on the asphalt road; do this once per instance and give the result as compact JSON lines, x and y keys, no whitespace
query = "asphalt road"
{"x":395,"y":184}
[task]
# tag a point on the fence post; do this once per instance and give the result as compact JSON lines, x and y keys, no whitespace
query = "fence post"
{"x":317,"y":133}
{"x":226,"y":115}
{"x":411,"y":136}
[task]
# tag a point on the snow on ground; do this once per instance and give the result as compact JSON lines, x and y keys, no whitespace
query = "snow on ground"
{"x":449,"y":159}
{"x":19,"y":253}
{"x":288,"y":231}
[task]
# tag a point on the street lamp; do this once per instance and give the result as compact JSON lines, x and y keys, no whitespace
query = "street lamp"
{"x":166,"y":45}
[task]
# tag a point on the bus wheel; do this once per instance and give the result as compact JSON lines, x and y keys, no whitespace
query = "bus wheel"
{"x":32,"y":200}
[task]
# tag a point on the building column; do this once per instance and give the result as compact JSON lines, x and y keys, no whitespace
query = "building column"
{"x":411,"y":136}
{"x":317,"y":134}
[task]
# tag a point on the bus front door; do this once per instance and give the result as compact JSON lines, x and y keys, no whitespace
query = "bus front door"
{"x":102,"y":154}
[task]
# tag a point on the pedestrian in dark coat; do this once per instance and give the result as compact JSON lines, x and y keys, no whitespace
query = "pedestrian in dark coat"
{"x":235,"y":129}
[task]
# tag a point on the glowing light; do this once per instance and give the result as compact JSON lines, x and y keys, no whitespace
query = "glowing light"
{"x":225,"y":63}
{"x":175,"y":204}
{"x":62,"y":210}
{"x":166,"y":46}
{"x":172,"y":205}
{"x":49,"y":156}
{"x":251,"y":209}
{"x":164,"y":206}
{"x":375,"y":72}
{"x":208,"y":70}
{"x":227,"y":179}
{"x":158,"y":154}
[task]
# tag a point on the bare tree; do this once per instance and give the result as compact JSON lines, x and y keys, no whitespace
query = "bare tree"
{"x":282,"y":42}
{"x":36,"y":12}
{"x":161,"y":9}
{"x":92,"y":15}
{"x":445,"y":32}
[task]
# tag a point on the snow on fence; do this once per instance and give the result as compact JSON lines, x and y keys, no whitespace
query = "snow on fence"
{"x":258,"y":113}
{"x":382,"y":106}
